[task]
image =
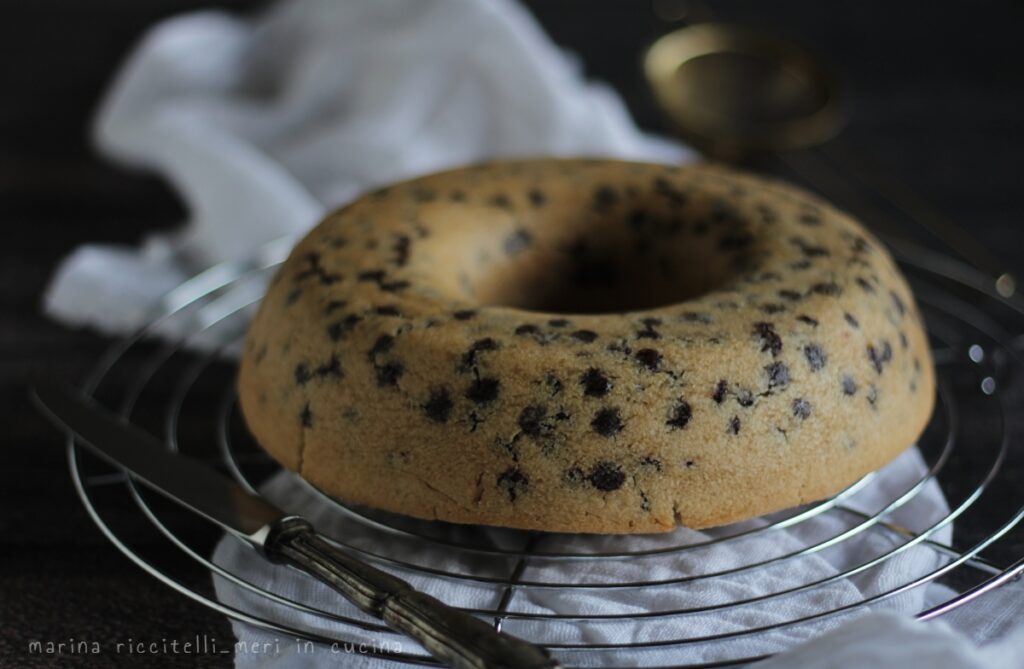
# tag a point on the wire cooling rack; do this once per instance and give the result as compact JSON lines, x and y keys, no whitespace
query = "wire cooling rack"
{"x":175,"y":377}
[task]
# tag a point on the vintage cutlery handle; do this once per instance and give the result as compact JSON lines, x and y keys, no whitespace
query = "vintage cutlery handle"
{"x":450,"y":635}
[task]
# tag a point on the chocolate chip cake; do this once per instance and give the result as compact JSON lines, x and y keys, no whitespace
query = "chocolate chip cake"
{"x":586,"y":346}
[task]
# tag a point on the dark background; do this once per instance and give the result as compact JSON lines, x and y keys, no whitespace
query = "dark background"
{"x":937,"y":95}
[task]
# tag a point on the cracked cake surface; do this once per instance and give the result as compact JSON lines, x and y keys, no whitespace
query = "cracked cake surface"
{"x":586,"y":346}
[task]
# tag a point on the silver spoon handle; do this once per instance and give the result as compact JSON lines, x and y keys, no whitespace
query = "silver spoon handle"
{"x":452,"y":636}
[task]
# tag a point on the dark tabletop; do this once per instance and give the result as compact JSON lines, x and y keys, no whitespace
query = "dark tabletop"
{"x":937,"y":93}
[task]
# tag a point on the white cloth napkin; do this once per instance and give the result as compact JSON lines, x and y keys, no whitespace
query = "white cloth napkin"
{"x":924,"y":509}
{"x":263,"y":124}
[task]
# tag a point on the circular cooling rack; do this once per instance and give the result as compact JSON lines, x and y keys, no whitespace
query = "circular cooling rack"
{"x":175,"y":378}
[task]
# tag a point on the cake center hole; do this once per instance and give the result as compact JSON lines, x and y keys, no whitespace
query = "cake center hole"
{"x":611,"y":268}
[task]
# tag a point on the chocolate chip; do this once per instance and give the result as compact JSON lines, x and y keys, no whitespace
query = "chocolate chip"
{"x":816,"y":357}
{"x":849,"y":385}
{"x":778,"y":375}
{"x":394,"y":286}
{"x":330,"y":368}
{"x":382,"y":345}
{"x":650,"y":461}
{"x":815,"y":251}
{"x":745,"y":398}
{"x":483,"y":391}
{"x":606,"y":476}
{"x":772,"y":308}
{"x":469,"y":357}
{"x":514,"y":482}
{"x":340,"y":329}
{"x":518,"y":242}
{"x":865,"y":285}
{"x":501,"y":201}
{"x":664,"y":188}
{"x":827,"y":288}
{"x":607,"y":422}
{"x":810,"y":219}
{"x":527,"y":329}
{"x":333,"y":306}
{"x":558,"y":322}
{"x":537,"y":197}
{"x":809,"y":251}
{"x":801,"y":408}
{"x":648,"y":358}
{"x":790,"y":295}
{"x":302,"y":374}
{"x":898,"y":303}
{"x":769,"y":338}
{"x":485,"y":344}
{"x":585,"y":336}
{"x":439,"y":406}
{"x":879,"y":356}
{"x":853,"y":322}
{"x":649,"y":332}
{"x":312,"y":261}
{"x":595,"y":383}
{"x":723,"y":212}
{"x":376,"y":275}
{"x":681,"y":415}
{"x":696,"y":317}
{"x":401,"y":250}
{"x":734,"y":425}
{"x":464,"y":314}
{"x":860,"y":245}
{"x":389,"y":373}
{"x":719,"y":395}
{"x":573,"y":475}
{"x":388,"y":310}
{"x":531,"y":420}
{"x":808,"y":320}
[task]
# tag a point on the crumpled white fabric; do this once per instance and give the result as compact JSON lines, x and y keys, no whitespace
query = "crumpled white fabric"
{"x":728,"y":570}
{"x":263,"y":124}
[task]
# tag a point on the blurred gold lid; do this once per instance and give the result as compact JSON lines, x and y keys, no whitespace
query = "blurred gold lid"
{"x":733,"y":91}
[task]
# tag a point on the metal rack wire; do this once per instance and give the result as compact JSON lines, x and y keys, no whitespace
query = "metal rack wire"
{"x":176,"y":378}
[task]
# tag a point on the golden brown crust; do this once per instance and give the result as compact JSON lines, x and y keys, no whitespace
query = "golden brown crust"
{"x":420,"y":352}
